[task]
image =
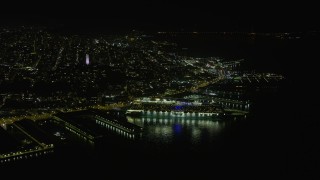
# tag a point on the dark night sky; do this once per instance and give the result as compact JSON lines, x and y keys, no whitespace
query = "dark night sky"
{"x":163,"y":16}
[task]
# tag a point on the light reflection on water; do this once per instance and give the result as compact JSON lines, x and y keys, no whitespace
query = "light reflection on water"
{"x":168,"y":130}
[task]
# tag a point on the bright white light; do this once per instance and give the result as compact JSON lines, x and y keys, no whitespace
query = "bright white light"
{"x":87,"y":59}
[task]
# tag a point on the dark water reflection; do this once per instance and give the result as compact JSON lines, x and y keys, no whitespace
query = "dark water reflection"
{"x":170,"y":130}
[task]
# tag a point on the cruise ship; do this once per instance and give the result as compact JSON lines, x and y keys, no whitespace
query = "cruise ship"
{"x":163,"y":107}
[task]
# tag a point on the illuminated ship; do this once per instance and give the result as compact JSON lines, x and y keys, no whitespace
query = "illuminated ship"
{"x":174,"y":109}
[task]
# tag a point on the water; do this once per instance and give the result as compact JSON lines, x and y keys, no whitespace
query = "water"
{"x":168,"y":133}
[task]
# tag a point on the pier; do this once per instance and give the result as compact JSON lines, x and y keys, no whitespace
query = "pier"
{"x":91,"y":125}
{"x":28,"y":142}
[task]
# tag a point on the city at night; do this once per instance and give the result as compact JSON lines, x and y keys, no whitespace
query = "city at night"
{"x":158,"y":91}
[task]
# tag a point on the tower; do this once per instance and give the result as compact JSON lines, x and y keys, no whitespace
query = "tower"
{"x":87,"y":59}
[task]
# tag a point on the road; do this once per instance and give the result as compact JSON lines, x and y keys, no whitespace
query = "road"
{"x":193,"y":88}
{"x":36,"y":116}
